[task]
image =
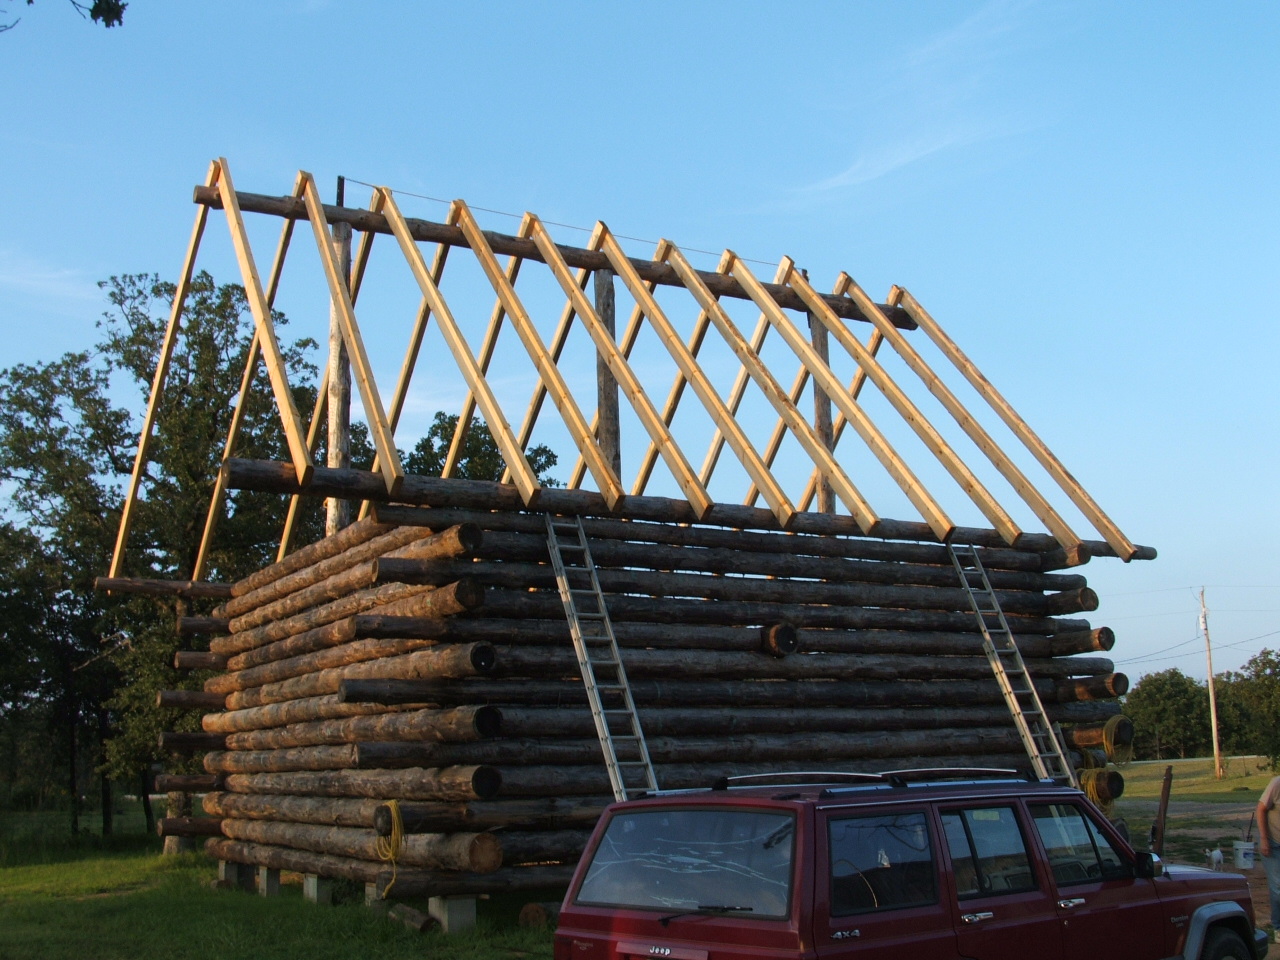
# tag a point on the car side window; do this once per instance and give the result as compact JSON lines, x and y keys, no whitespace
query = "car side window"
{"x":880,"y":863}
{"x":1078,"y":851}
{"x":988,"y":852}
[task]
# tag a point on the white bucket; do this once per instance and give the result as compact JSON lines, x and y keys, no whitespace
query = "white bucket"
{"x":1243,"y":852}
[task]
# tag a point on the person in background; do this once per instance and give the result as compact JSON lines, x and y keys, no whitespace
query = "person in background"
{"x":1269,"y":848}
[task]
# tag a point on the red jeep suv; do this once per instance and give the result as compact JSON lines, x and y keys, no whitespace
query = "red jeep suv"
{"x":909,"y":865}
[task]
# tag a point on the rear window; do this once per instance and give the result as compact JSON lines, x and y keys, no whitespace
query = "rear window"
{"x":737,"y":860}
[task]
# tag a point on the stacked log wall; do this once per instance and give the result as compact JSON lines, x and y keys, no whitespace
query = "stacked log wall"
{"x":430,"y":663}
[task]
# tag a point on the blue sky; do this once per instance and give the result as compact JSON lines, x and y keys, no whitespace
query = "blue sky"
{"x":1083,"y":194}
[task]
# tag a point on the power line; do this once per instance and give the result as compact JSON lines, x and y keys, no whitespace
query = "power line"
{"x":554,"y":223}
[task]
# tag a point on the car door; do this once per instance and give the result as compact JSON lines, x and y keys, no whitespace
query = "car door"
{"x":1001,"y":907}
{"x":1105,"y":910}
{"x":878,"y":894}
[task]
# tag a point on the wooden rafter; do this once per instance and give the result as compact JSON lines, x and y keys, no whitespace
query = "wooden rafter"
{"x":628,"y":383}
{"x":748,"y":355}
{"x":773,"y":494}
{"x":950,"y":460}
{"x":897,"y":468}
{"x":841,"y":421}
{"x":523,"y":474}
{"x":218,"y":498}
{"x":361,"y":371}
{"x":609,"y":485}
{"x":981,"y":439}
{"x":161,"y":374}
{"x":267,"y":342}
{"x":1121,"y":544}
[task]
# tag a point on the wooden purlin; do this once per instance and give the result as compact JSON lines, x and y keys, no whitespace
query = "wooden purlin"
{"x":161,"y":374}
{"x":897,"y":468}
{"x":1121,"y":544}
{"x":749,"y":357}
{"x":525,"y":481}
{"x":696,"y":494}
{"x":362,"y":372}
{"x":942,"y":451}
{"x":267,"y":341}
{"x":1052,"y":520}
{"x":773,"y":494}
{"x":608,"y":483}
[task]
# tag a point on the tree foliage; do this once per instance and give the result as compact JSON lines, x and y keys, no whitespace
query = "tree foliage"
{"x":85,"y":667}
{"x":109,"y":13}
{"x":1170,"y":714}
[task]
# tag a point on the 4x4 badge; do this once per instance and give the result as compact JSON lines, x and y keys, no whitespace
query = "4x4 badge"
{"x":846,"y":934}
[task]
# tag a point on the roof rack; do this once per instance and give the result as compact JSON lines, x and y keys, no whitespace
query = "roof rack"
{"x":960,"y":773}
{"x":797,"y":777}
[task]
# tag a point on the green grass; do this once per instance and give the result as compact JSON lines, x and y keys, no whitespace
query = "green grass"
{"x":116,"y":897}
{"x":1194,"y":779}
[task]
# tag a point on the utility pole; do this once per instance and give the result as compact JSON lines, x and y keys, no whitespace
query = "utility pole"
{"x":1213,"y":700}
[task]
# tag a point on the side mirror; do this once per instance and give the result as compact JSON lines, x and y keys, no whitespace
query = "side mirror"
{"x":1147,"y":866}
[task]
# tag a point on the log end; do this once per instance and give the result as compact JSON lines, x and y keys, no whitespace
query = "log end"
{"x":488,"y":722}
{"x":486,"y":782}
{"x":779,"y":639}
{"x":1104,"y":638}
{"x":469,"y":593}
{"x":484,"y":853}
{"x":483,"y":657}
{"x":469,"y":537}
{"x":539,"y":916}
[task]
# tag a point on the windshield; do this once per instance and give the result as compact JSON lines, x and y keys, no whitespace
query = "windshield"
{"x":713,"y":860}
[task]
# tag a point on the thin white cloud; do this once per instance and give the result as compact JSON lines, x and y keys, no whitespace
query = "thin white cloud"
{"x":883,"y":159}
{"x":29,"y":277}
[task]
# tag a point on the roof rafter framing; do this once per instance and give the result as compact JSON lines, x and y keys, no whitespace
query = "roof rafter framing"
{"x":571,"y":268}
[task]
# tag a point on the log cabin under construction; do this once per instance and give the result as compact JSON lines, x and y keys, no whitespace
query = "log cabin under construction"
{"x":439,"y":697}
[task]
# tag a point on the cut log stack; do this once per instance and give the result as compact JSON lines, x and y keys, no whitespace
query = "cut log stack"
{"x":422,"y":656}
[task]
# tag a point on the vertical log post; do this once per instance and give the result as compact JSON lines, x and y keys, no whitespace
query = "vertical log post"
{"x":268,"y":882}
{"x":338,"y":512}
{"x":821,"y":406}
{"x":608,"y":433}
{"x":179,"y":805}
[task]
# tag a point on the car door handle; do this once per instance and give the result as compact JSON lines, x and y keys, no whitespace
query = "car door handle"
{"x":976,"y":917}
{"x":1072,"y":902}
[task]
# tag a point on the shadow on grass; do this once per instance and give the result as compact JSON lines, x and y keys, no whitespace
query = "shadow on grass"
{"x":43,"y":837}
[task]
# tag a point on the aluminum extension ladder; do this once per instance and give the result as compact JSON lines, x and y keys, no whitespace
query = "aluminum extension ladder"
{"x":598,"y":658}
{"x":1040,"y":739}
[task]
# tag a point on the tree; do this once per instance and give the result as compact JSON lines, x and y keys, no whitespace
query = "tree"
{"x":1170,"y":714}
{"x":109,"y":13}
{"x":1254,"y":698}
{"x":480,"y":458}
{"x":65,"y":450}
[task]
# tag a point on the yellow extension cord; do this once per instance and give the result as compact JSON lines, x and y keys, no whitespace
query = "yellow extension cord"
{"x":389,"y":847}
